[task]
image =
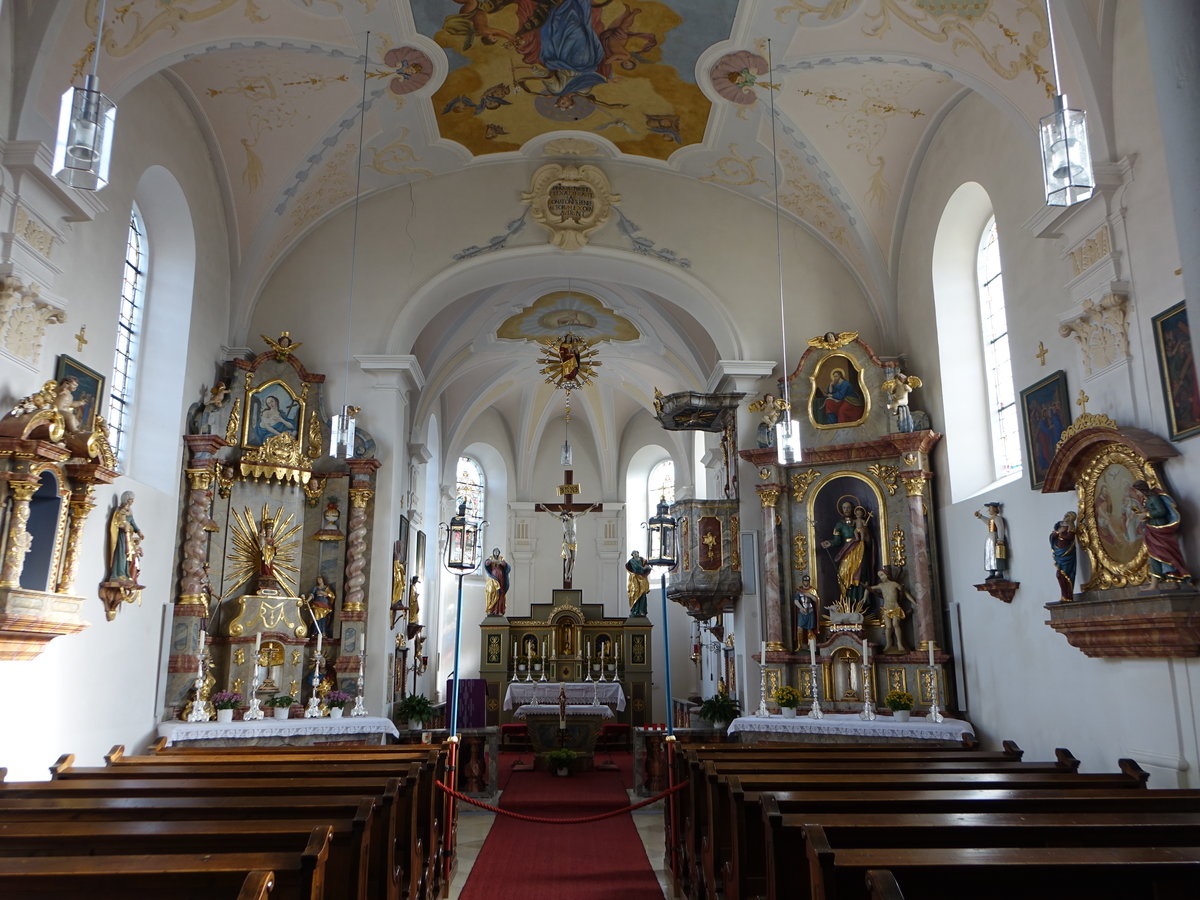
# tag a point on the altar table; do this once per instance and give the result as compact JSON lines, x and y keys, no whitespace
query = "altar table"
{"x":582,"y":692}
{"x":583,"y":722}
{"x":845,"y":727}
{"x":269,"y":731}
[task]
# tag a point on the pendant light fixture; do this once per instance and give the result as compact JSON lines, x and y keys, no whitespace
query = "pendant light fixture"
{"x":86,"y":119}
{"x":1066,"y":156}
{"x":341,"y":428}
{"x":787,"y":429}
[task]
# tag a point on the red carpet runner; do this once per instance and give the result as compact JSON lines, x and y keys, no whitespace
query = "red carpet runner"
{"x":602,"y":860}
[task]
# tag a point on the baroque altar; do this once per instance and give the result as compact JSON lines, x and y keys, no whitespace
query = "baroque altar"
{"x":848,"y":540}
{"x":274,"y":545}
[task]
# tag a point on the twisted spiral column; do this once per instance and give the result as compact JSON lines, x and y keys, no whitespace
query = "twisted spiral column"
{"x":80,"y":507}
{"x":19,"y":538}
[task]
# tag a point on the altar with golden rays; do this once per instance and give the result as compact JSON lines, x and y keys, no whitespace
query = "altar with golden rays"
{"x":273,"y":544}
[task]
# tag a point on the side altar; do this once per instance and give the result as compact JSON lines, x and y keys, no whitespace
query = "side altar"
{"x":572,"y":642}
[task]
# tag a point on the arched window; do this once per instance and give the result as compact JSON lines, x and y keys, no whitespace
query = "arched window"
{"x":1006,"y":444}
{"x":471,"y":486}
{"x":660,"y":484}
{"x":129,"y":325}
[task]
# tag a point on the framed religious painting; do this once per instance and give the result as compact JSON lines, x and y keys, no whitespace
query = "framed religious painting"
{"x":837,"y":399}
{"x":1046,"y":412}
{"x":1111,"y":515}
{"x":1177,"y":370}
{"x":418,"y":565}
{"x":86,"y":387}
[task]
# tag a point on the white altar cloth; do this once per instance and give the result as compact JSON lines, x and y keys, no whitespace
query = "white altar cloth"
{"x":274,"y":728}
{"x":883,"y":727}
{"x":522,"y":692}
{"x":573,"y":709}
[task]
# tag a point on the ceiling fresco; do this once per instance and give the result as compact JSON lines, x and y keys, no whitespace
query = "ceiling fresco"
{"x":521,"y":68}
{"x":858,"y":87}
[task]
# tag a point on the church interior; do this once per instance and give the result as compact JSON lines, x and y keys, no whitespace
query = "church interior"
{"x":363,"y":349}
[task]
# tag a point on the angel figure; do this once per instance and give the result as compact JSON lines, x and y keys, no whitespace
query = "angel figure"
{"x":770,"y":406}
{"x":897,"y":388}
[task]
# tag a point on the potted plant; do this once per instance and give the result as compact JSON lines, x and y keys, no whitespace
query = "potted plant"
{"x":225,"y":702}
{"x":416,"y":709}
{"x":559,"y":761}
{"x":900,"y":703}
{"x":788,"y":699}
{"x":335,"y":700}
{"x":720,"y":709}
{"x":281,"y":704}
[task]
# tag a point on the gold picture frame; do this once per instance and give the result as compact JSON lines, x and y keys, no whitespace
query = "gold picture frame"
{"x":848,"y":411}
{"x":1110,"y":517}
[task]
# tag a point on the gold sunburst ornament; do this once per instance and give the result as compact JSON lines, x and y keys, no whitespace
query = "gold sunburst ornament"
{"x":568,"y":362}
{"x":264,"y":550}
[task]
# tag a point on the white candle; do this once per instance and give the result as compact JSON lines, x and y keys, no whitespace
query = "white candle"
{"x":866,"y":650}
{"x":543,"y":649}
{"x":616,"y":652}
{"x":589,"y":649}
{"x":202,"y":633}
{"x":763,"y":657}
{"x":320,"y":637}
{"x":514,"y":649}
{"x":931,"y":663}
{"x":812,"y":648}
{"x":257,"y":645}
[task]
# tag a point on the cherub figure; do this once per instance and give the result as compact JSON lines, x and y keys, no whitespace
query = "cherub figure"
{"x":771,"y":408}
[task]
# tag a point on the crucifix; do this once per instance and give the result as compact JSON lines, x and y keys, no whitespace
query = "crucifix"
{"x":1041,"y":353}
{"x":567,"y":512}
{"x":80,"y":339}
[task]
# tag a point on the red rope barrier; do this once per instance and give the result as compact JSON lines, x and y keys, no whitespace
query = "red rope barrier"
{"x":577,"y":821}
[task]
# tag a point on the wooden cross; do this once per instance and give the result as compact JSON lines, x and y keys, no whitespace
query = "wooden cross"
{"x":568,"y":511}
{"x":1041,"y":353}
{"x":81,"y":339}
{"x":1082,"y":402}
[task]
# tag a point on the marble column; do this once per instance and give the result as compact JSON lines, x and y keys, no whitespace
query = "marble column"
{"x":768,"y":495}
{"x":916,"y":487}
{"x":354,"y":611}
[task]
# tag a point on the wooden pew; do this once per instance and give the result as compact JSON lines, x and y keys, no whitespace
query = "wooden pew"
{"x":394,"y":825}
{"x":993,"y":873}
{"x":786,"y":852}
{"x":736,"y":821}
{"x":297,"y":875}
{"x":345,"y":871}
{"x":702,"y":774}
{"x":882,"y":802}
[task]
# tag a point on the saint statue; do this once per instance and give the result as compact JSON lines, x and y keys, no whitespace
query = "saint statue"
{"x":1062,"y":546}
{"x":267,"y":551}
{"x":995,"y":548}
{"x":71,"y":410}
{"x":892,"y":613}
{"x":851,"y":542}
{"x":413,"y":599}
{"x":1161,"y":535}
{"x":495,"y":588}
{"x":638,"y":584}
{"x":806,"y":602}
{"x":320,"y":604}
{"x":125,"y":542}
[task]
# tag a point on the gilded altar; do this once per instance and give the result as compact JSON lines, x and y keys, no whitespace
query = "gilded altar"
{"x":274,"y":543}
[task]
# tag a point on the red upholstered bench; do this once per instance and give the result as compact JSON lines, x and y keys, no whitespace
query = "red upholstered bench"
{"x":615,"y":736}
{"x":514,"y":737}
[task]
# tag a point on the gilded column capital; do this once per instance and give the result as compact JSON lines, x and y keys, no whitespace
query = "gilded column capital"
{"x":360,"y":497}
{"x":23,"y":490}
{"x":199,"y":479}
{"x":914,"y":483}
{"x":768,"y":494}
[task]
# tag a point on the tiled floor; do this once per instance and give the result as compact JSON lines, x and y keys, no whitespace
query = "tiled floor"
{"x":474,"y":824}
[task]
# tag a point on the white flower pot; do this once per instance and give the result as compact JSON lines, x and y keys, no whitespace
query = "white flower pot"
{"x":415,"y":724}
{"x":224,"y":715}
{"x":281,"y":712}
{"x":901,"y":715}
{"x":335,"y":712}
{"x":789,"y":712}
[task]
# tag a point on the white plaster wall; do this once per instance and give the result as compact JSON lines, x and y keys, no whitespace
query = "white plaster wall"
{"x":1023,"y":681}
{"x":89,"y":691}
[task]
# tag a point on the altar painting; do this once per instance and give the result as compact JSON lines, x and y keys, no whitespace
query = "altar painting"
{"x":838,"y":399}
{"x":1110,"y":516}
{"x":1118,"y":522}
{"x":273,"y":410}
{"x":522,"y":68}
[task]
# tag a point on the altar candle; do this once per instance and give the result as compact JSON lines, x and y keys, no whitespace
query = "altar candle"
{"x":201,"y":641}
{"x":257,"y":644}
{"x":762,"y":659}
{"x":543,"y":649}
{"x":514,"y":650}
{"x":320,"y":636}
{"x":866,"y":650}
{"x":931,"y":663}
{"x":589,"y":649}
{"x":812,"y":648}
{"x":616,"y":652}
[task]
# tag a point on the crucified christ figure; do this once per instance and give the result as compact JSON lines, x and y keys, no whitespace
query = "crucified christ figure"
{"x":569,"y":542}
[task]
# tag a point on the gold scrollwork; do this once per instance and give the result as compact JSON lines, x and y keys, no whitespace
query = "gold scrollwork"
{"x":314,"y":431}
{"x":1086,"y":420}
{"x":801,"y":482}
{"x":235,"y":419}
{"x":800,"y":552}
{"x":687,"y":556}
{"x":735,"y":554}
{"x":899,"y":553}
{"x":886,"y":475}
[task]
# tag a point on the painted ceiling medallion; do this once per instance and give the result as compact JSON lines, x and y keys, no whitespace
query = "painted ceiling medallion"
{"x":571,"y":201}
{"x":737,"y":74}
{"x":964,"y":9}
{"x":583,"y":315}
{"x":411,"y":69}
